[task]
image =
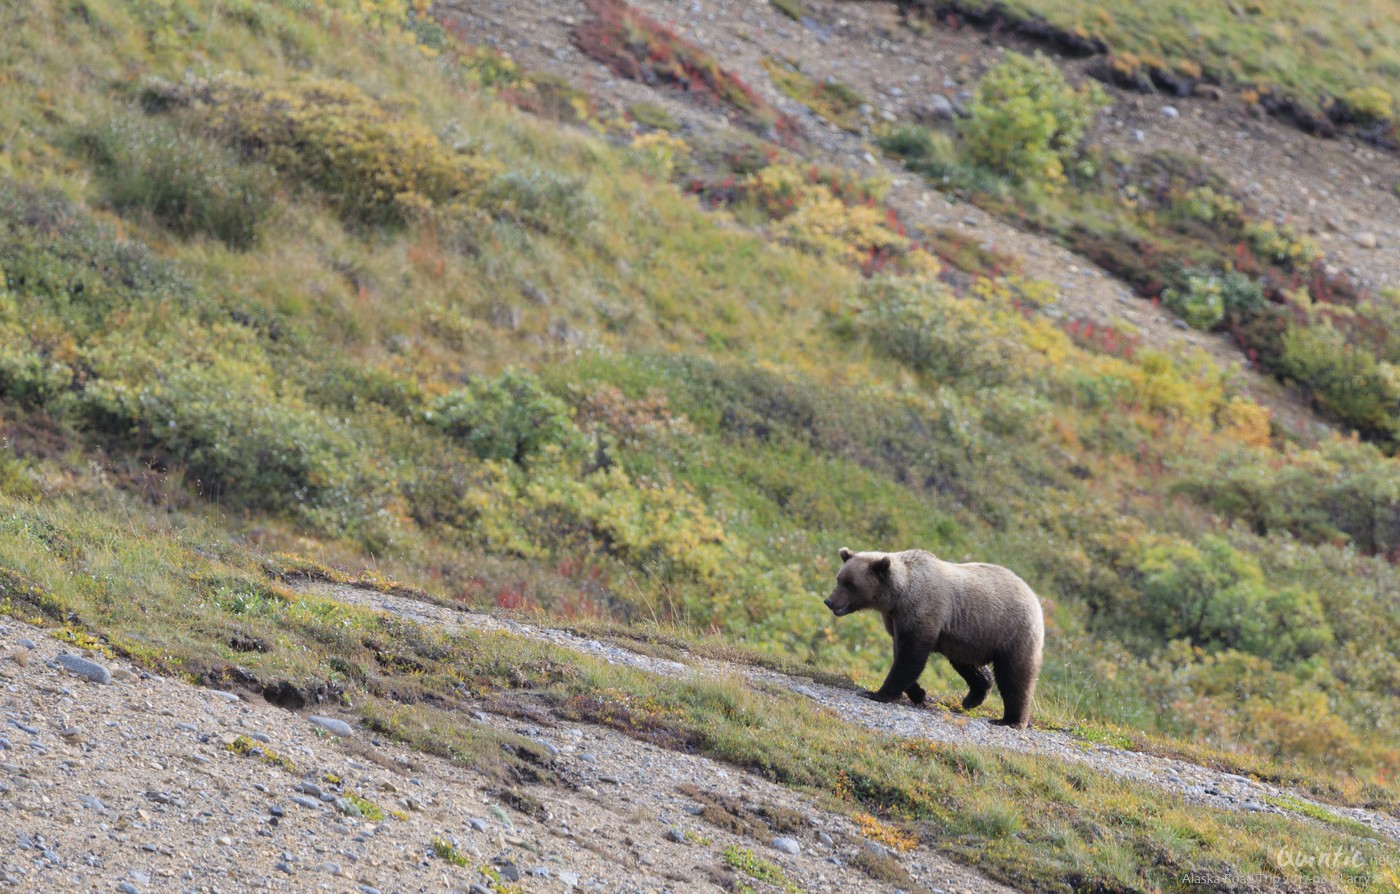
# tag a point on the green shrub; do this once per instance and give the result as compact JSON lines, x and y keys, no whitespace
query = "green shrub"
{"x":1344,"y":379}
{"x":1207,"y":297}
{"x":1216,"y":598}
{"x":541,"y":200}
{"x":508,"y":417}
{"x":187,"y":184}
{"x":1026,"y":121}
{"x":935,"y":333}
{"x":239,"y":435}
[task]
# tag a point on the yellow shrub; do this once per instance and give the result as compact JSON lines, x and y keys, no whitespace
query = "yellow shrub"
{"x":376,"y":165}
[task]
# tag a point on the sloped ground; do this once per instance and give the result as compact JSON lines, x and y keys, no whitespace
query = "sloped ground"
{"x":132,"y":786}
{"x":1195,"y":783}
{"x":1340,"y":191}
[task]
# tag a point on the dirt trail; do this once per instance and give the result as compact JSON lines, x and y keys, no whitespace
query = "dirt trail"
{"x":1338,"y":190}
{"x":146,"y":784}
{"x":1195,"y":783}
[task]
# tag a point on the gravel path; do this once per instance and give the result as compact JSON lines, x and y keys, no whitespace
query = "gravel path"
{"x":1195,"y":783}
{"x":131,"y":786}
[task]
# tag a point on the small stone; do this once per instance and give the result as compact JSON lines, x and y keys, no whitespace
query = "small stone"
{"x":787,"y":846}
{"x":479,"y":824}
{"x":510,"y":872}
{"x":1171,"y":112}
{"x":304,"y":801}
{"x":331,"y":725}
{"x":187,"y":727}
{"x":1139,"y":136}
{"x":368,"y":889}
{"x":1367,"y":240}
{"x":283,"y":866}
{"x":261,"y":737}
{"x":938,"y":108}
{"x":570,"y":879}
{"x":610,"y":779}
{"x":478,"y":889}
{"x":92,"y":802}
{"x":128,"y":888}
{"x":675,"y":834}
{"x":25,"y":642}
{"x":1181,"y":324}
{"x":226,"y":696}
{"x":276,"y":810}
{"x":139,"y":877}
{"x":83,"y":667}
{"x":224,"y":841}
{"x":825,"y":839}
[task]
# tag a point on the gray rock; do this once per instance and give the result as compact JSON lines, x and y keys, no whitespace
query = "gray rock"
{"x":938,"y":108}
{"x":261,"y":737}
{"x":140,"y":877}
{"x":304,"y":801}
{"x":478,"y":889}
{"x":26,"y":643}
{"x":570,"y":879}
{"x":84,"y":667}
{"x":331,"y":725}
{"x":309,"y":788}
{"x":128,"y":888}
{"x":369,"y":889}
{"x":510,"y":872}
{"x":92,"y":802}
{"x":610,"y":779}
{"x":226,"y":696}
{"x":787,"y":846}
{"x":479,"y":824}
{"x":1367,"y":240}
{"x":675,"y":834}
{"x":1170,"y":112}
{"x":187,"y":727}
{"x":825,"y":839}
{"x":1139,"y":136}
{"x":282,"y":866}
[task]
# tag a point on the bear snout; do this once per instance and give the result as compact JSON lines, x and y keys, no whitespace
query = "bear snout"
{"x":836,"y":609}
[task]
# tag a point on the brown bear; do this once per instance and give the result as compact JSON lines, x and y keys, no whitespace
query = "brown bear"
{"x":974,"y":615}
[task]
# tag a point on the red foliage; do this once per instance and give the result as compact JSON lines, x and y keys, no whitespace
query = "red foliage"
{"x":635,"y":46}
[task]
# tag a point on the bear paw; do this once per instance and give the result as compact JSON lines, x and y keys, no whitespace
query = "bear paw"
{"x":876,"y":696}
{"x":915,"y":693}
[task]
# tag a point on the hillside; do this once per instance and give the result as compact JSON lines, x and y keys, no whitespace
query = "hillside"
{"x":622,"y":318}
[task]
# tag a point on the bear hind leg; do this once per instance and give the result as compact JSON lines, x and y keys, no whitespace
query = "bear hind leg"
{"x":1016,"y":682}
{"x":979,"y":683}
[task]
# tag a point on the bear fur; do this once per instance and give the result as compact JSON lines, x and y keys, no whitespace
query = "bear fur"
{"x":974,"y":615}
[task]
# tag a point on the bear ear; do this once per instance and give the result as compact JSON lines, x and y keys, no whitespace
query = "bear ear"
{"x":846,"y":554}
{"x":881,"y":567}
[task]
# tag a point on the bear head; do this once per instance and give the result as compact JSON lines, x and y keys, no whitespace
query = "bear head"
{"x":862,"y":582}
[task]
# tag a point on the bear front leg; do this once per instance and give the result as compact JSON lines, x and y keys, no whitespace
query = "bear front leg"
{"x":909,"y":660}
{"x":979,"y":683}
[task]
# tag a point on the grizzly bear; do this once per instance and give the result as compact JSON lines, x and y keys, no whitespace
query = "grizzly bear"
{"x":974,"y":615}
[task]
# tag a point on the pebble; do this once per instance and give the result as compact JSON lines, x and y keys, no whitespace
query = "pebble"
{"x":331,"y":725}
{"x":1367,"y":240}
{"x":26,"y":643}
{"x":510,"y":872}
{"x":306,"y":802}
{"x":224,"y":841}
{"x":226,"y":696}
{"x":1171,"y":112}
{"x":611,"y":779}
{"x":261,"y":737}
{"x":675,"y":834}
{"x":787,"y":846}
{"x":825,"y":839}
{"x":128,"y":888}
{"x":479,"y":824}
{"x":369,"y":889}
{"x":84,"y":667}
{"x":92,"y":802}
{"x":478,"y":889}
{"x":570,"y":879}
